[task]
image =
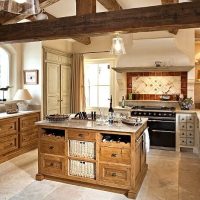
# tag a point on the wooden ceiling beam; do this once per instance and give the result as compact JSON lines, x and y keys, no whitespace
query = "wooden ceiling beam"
{"x":154,"y":18}
{"x":110,"y":5}
{"x":43,"y":4}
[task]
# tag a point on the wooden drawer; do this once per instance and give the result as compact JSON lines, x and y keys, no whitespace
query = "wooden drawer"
{"x":183,"y":126}
{"x":190,"y":134}
{"x":190,"y":126}
{"x":190,"y":142}
{"x":8,"y":127}
{"x":183,"y":141}
{"x":28,"y":122}
{"x":81,"y":135}
{"x":183,"y":133}
{"x":28,"y":137}
{"x":52,"y":165}
{"x":117,"y":175}
{"x":182,"y":118}
{"x":190,"y":118}
{"x":52,"y":147}
{"x":8,"y":144}
{"x":116,"y":155}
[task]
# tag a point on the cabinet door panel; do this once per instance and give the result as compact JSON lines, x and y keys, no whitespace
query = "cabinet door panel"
{"x":53,"y":88}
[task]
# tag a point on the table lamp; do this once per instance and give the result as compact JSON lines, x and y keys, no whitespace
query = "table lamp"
{"x":22,"y":95}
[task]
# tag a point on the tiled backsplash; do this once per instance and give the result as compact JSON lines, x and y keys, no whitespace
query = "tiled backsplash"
{"x":151,"y":85}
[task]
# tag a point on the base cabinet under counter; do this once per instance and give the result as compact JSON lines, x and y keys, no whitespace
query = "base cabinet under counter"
{"x":18,"y":134}
{"x":100,"y":158}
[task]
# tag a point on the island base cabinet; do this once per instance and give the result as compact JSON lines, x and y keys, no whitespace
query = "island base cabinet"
{"x":89,"y":158}
{"x":116,"y":176}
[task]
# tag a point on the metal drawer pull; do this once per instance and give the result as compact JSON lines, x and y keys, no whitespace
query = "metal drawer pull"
{"x":51,"y":164}
{"x":114,"y":174}
{"x":114,"y":155}
{"x":51,"y":147}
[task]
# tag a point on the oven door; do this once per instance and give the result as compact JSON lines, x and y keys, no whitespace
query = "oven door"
{"x":162,"y":133}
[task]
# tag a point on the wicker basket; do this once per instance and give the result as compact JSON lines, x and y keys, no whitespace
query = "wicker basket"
{"x":56,"y":118}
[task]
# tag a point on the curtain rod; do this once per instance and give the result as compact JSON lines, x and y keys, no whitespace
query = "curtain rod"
{"x":95,"y":52}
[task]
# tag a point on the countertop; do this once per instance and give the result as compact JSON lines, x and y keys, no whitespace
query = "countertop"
{"x":4,"y":115}
{"x":92,"y":125}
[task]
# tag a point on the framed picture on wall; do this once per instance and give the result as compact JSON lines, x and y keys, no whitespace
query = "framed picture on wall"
{"x":31,"y":77}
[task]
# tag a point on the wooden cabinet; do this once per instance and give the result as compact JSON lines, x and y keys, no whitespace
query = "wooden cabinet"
{"x":186,"y":129}
{"x":87,"y":156}
{"x":18,"y":135}
{"x":57,"y":82}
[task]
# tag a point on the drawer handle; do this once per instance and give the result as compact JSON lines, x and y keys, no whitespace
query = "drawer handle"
{"x":114,"y":155}
{"x":114,"y":174}
{"x":11,"y":144}
{"x":80,"y":135}
{"x":51,"y":147}
{"x":51,"y":164}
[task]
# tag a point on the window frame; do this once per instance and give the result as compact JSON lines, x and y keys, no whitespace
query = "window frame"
{"x":111,"y":62}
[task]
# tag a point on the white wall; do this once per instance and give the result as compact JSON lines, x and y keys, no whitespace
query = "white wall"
{"x":61,"y":45}
{"x":32,"y":60}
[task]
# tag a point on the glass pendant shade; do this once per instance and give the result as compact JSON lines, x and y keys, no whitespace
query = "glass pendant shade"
{"x":117,"y":46}
{"x":29,"y":7}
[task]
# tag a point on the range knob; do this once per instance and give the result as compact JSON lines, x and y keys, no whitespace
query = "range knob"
{"x":135,"y":113}
{"x":144,"y":113}
{"x":139,"y":113}
{"x":165,"y":114}
{"x":170,"y":114}
{"x":154,"y":114}
{"x":159,"y":114}
{"x":150,"y":113}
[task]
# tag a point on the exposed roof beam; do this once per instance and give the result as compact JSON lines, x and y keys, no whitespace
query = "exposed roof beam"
{"x":43,"y":4}
{"x":154,"y":18}
{"x":110,"y":5}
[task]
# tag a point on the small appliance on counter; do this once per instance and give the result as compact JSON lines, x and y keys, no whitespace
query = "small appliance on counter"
{"x":85,"y":116}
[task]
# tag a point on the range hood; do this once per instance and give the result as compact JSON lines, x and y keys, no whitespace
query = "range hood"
{"x":159,"y":54}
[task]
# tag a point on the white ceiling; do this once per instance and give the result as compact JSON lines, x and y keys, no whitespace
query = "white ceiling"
{"x":68,"y":7}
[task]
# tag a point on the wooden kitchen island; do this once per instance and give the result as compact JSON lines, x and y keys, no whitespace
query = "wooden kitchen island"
{"x":108,"y":157}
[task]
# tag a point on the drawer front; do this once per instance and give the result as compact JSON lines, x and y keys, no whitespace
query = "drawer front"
{"x":51,"y":147}
{"x":182,"y":118}
{"x":190,"y":126}
{"x":116,"y":155}
{"x":81,"y":135}
{"x":28,"y":137}
{"x":190,"y":141}
{"x":8,"y":144}
{"x":183,"y":141}
{"x":190,"y":118}
{"x":183,"y":133}
{"x":8,"y":127}
{"x":117,"y":175}
{"x":28,"y":122}
{"x":52,"y":165}
{"x":183,"y":126}
{"x":190,"y":134}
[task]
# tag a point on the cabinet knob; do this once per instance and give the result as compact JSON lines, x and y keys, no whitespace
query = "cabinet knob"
{"x":51,"y":164}
{"x":113,"y":174}
{"x":51,"y":147}
{"x":80,"y":135}
{"x":114,"y":155}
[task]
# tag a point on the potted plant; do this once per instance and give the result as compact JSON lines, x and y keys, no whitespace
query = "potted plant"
{"x":186,"y":103}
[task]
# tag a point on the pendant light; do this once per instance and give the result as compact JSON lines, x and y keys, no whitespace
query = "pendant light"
{"x":29,"y":7}
{"x":117,"y":45}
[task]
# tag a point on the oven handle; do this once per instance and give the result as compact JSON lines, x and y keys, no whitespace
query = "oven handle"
{"x":161,"y":121}
{"x":162,"y":131}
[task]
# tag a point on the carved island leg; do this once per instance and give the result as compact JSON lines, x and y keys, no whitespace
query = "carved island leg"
{"x":39,"y":177}
{"x":132,"y":194}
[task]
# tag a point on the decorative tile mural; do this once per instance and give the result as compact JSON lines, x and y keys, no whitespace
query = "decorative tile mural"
{"x":151,"y":85}
{"x":156,"y":85}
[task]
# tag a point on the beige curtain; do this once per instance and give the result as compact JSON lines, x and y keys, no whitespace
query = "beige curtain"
{"x":77,"y":84}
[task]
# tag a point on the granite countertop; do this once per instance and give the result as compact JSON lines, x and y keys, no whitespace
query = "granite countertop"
{"x":4,"y":115}
{"x":92,"y":125}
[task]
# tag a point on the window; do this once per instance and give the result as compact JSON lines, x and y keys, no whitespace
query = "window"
{"x":4,"y":68}
{"x":97,"y":83}
{"x":4,"y":71}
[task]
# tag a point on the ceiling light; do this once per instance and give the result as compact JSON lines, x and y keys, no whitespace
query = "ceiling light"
{"x":29,"y":7}
{"x":117,"y":45}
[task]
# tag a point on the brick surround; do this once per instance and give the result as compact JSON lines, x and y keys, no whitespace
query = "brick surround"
{"x":137,"y":96}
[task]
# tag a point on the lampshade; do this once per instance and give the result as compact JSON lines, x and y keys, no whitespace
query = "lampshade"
{"x":117,"y":46}
{"x":29,"y":7}
{"x":22,"y":94}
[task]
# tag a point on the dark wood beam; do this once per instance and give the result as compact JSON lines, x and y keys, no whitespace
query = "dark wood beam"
{"x":154,"y":18}
{"x":43,"y":4}
{"x":110,"y":5}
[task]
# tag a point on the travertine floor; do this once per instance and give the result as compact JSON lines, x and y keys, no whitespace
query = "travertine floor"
{"x":171,"y":176}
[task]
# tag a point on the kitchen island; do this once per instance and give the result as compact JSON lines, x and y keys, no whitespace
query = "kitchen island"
{"x":108,"y":157}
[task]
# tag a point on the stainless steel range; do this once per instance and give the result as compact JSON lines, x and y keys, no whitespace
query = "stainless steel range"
{"x":162,"y":125}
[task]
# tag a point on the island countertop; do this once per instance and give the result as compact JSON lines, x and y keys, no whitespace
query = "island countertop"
{"x":93,"y":125}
